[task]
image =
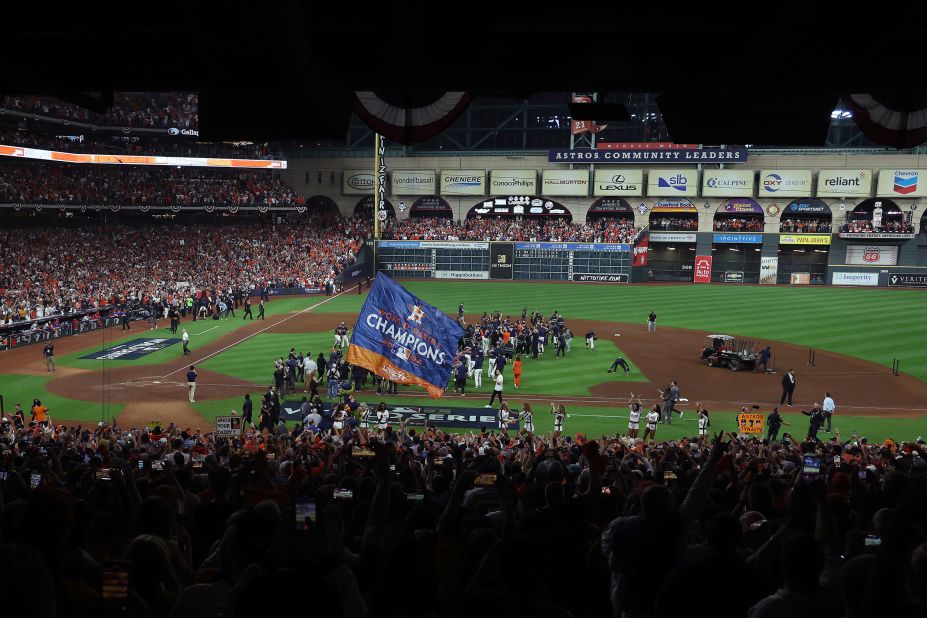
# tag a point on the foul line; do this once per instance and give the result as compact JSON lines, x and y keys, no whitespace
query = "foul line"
{"x":263,"y":330}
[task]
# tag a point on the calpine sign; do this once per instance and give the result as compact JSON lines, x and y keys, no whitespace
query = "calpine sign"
{"x":594,"y":155}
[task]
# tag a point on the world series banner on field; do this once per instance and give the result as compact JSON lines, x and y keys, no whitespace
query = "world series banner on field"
{"x":402,"y":338}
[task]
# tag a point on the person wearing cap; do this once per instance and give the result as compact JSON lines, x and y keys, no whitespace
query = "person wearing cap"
{"x":773,"y":423}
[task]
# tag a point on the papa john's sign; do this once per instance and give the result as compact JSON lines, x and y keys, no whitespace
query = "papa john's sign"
{"x":702,"y":269}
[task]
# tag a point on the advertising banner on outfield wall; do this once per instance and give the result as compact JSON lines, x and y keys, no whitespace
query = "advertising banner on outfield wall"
{"x":804,"y":239}
{"x":463,"y":182}
{"x":727,"y":183}
{"x":673,"y":237}
{"x":413,"y":182}
{"x":874,"y":255}
{"x":752,"y":239}
{"x":769,"y":269}
{"x":844,"y":183}
{"x":702,"y":269}
{"x":807,"y":206}
{"x":606,"y":206}
{"x":909,"y":280}
{"x":501,"y":256}
{"x":785,"y":183}
{"x":673,"y":182}
{"x":461,"y":274}
{"x":618,"y":182}
{"x":845,"y":278}
{"x":674,"y":205}
{"x":357,"y":182}
{"x":679,"y":156}
{"x":513,"y":182}
{"x":590,"y":278}
{"x":565,"y":182}
{"x":902,"y":183}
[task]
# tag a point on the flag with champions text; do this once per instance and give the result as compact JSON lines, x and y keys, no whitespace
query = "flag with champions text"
{"x":402,"y":338}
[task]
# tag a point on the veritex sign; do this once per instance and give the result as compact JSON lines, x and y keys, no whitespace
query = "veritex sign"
{"x":907,"y":280}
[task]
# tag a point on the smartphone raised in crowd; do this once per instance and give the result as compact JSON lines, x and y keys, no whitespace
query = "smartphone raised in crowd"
{"x":485,"y":480}
{"x":362,"y":452}
{"x":35,"y":479}
{"x":812,"y":467}
{"x":343,"y":494}
{"x":305,"y":508}
{"x":415,"y":497}
{"x":115,"y":579}
{"x":873,"y":540}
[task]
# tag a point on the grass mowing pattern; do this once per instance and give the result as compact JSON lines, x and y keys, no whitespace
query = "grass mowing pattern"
{"x":873,"y":324}
{"x":23,"y":389}
{"x":215,"y":328}
{"x":252,"y":361}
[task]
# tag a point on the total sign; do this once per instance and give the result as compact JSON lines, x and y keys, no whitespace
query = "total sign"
{"x":702,"y":269}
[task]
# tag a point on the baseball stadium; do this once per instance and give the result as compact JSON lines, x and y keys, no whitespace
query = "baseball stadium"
{"x":658,"y":349}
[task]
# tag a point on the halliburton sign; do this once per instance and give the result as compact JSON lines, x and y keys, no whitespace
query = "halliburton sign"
{"x":702,"y":269}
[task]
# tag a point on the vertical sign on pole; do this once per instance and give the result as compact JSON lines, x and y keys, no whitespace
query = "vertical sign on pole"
{"x":379,"y":187}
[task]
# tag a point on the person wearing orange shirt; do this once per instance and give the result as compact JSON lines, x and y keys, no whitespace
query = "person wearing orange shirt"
{"x":516,"y":371}
{"x":40,"y":413}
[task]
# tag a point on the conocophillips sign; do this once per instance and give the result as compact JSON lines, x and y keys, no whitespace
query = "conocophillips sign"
{"x":513,"y":182}
{"x":357,"y":183}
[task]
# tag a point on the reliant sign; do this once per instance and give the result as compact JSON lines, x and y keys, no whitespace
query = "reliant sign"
{"x":844,"y":183}
{"x":670,"y":156}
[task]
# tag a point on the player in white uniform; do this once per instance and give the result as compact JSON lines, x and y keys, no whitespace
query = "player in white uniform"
{"x":703,"y":420}
{"x":382,"y":417}
{"x":634,"y":417}
{"x":559,"y":413}
{"x":528,"y":417}
{"x":653,"y":417}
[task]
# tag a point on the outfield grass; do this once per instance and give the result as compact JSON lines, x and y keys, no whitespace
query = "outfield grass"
{"x":595,"y":421}
{"x":23,"y":389}
{"x":202,"y":332}
{"x":252,"y":361}
{"x":877,"y":325}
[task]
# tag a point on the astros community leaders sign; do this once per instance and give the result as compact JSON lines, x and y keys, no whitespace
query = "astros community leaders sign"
{"x":595,"y":155}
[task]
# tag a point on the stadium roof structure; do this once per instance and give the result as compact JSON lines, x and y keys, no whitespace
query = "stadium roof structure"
{"x":289,"y":69}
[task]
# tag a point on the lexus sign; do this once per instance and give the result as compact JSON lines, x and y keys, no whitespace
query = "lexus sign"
{"x":907,"y":280}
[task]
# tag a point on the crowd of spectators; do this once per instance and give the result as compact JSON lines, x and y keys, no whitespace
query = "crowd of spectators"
{"x":555,"y":229}
{"x":52,"y":184}
{"x":671,"y":223}
{"x":52,"y":270}
{"x":738,"y":224}
{"x":135,"y":145}
{"x":129,"y":109}
{"x":395,"y":520}
{"x":805,"y":225}
{"x":894,"y":225}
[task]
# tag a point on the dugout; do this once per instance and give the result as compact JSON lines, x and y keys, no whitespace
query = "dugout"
{"x":431,"y":207}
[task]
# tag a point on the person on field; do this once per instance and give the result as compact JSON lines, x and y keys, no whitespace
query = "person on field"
{"x":634,"y":417}
{"x":827,"y":408}
{"x":620,"y":362}
{"x":788,"y":387}
{"x":652,"y":322}
{"x":191,"y":384}
{"x":49,"y":353}
{"x":653,"y":417}
{"x":765,"y":355}
{"x":497,"y":389}
{"x":516,"y":371}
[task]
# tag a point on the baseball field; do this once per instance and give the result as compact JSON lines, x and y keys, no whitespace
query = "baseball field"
{"x":856,"y":335}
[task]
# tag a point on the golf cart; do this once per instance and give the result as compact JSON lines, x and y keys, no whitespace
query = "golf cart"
{"x":731,"y":352}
